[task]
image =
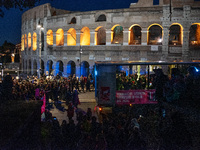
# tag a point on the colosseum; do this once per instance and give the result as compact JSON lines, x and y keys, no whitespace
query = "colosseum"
{"x":64,"y":42}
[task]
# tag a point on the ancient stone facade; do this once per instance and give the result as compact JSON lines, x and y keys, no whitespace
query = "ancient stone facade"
{"x":146,"y":31}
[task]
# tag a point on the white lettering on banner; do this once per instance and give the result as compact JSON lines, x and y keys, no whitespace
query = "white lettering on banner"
{"x":107,"y":58}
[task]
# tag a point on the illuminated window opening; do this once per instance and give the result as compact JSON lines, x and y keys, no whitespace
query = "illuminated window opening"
{"x":117,"y":34}
{"x":155,"y":35}
{"x":135,"y":35}
{"x":71,"y":37}
{"x":85,"y":36}
{"x":25,"y":41}
{"x":22,"y":43}
{"x":176,"y":35}
{"x":50,"y":37}
{"x":34,"y":41}
{"x":100,"y":36}
{"x":29,"y":40}
{"x":194,"y":37}
{"x":60,"y":37}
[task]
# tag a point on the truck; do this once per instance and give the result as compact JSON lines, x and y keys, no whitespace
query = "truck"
{"x":110,"y":94}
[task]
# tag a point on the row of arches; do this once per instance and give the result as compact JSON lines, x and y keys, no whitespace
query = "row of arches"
{"x":154,"y":36}
{"x":58,"y":68}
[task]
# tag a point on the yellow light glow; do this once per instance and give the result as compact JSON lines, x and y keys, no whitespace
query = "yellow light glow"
{"x":29,"y":40}
{"x":112,"y":32}
{"x":22,"y":43}
{"x":148,"y":35}
{"x":25,"y":41}
{"x":60,"y":37}
{"x":85,"y":36}
{"x":34,"y":41}
{"x":71,"y":37}
{"x":50,"y":37}
{"x":181,"y":32}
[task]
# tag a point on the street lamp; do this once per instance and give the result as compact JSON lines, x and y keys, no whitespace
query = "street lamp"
{"x":81,"y":51}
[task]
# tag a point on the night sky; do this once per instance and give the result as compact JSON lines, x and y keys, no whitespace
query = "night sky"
{"x":10,"y":24}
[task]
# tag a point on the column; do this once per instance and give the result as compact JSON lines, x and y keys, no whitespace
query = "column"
{"x":92,"y":37}
{"x":125,"y":36}
{"x":165,"y":43}
{"x":144,"y":36}
{"x":54,"y":38}
{"x":108,"y":37}
{"x":185,"y":45}
{"x":65,"y":37}
{"x":78,"y":37}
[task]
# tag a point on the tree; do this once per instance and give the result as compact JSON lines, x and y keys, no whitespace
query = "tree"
{"x":19,"y":4}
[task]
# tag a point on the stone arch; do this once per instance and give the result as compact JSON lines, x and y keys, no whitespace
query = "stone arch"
{"x":59,"y":37}
{"x":71,"y":37}
{"x":155,"y":34}
{"x":49,"y":67}
{"x":117,"y":34}
{"x":59,"y":68}
{"x":22,"y":41}
{"x":135,"y":35}
{"x":101,"y":18}
{"x":85,"y":68}
{"x":176,"y":34}
{"x":29,"y":40}
{"x":71,"y":68}
{"x":100,"y":36}
{"x":194,"y":36}
{"x":73,"y":20}
{"x":29,"y":65}
{"x":50,"y":37}
{"x":35,"y":70}
{"x":25,"y":41}
{"x":34,"y":41}
{"x":85,"y":36}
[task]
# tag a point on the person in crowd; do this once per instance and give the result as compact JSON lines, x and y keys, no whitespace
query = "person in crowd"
{"x":75,"y":99}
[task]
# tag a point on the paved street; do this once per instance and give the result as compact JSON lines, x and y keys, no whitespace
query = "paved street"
{"x":87,"y":100}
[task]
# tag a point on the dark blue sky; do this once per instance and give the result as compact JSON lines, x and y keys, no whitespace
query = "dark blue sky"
{"x":10,"y":24}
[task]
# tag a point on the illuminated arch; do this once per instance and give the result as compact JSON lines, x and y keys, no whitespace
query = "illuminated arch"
{"x":50,"y":37}
{"x":176,"y":34}
{"x":100,"y":36}
{"x":71,"y":37}
{"x":22,"y":43}
{"x":59,"y":37}
{"x":155,"y":34}
{"x":85,"y":68}
{"x":59,"y":68}
{"x":71,"y":68}
{"x":117,"y":34}
{"x":135,"y":35}
{"x":194,"y":36}
{"x":29,"y":40}
{"x":34,"y":41}
{"x":49,"y":67}
{"x":85,"y":36}
{"x":25,"y":41}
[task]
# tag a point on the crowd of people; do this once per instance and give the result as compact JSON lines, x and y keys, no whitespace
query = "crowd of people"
{"x":176,"y":87}
{"x":121,"y":131}
{"x":57,"y":88}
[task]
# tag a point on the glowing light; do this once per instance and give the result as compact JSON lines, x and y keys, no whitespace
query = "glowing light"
{"x":160,"y":40}
{"x":34,"y":41}
{"x":197,"y":70}
{"x":50,"y":37}
{"x":60,"y":37}
{"x":95,"y":73}
{"x":100,"y":109}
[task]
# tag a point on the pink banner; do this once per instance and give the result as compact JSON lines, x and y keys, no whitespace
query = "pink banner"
{"x":135,"y":97}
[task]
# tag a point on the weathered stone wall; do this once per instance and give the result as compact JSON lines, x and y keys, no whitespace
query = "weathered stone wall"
{"x":141,"y":14}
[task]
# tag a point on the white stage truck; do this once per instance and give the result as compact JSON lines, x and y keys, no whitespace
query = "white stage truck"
{"x":128,"y":83}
